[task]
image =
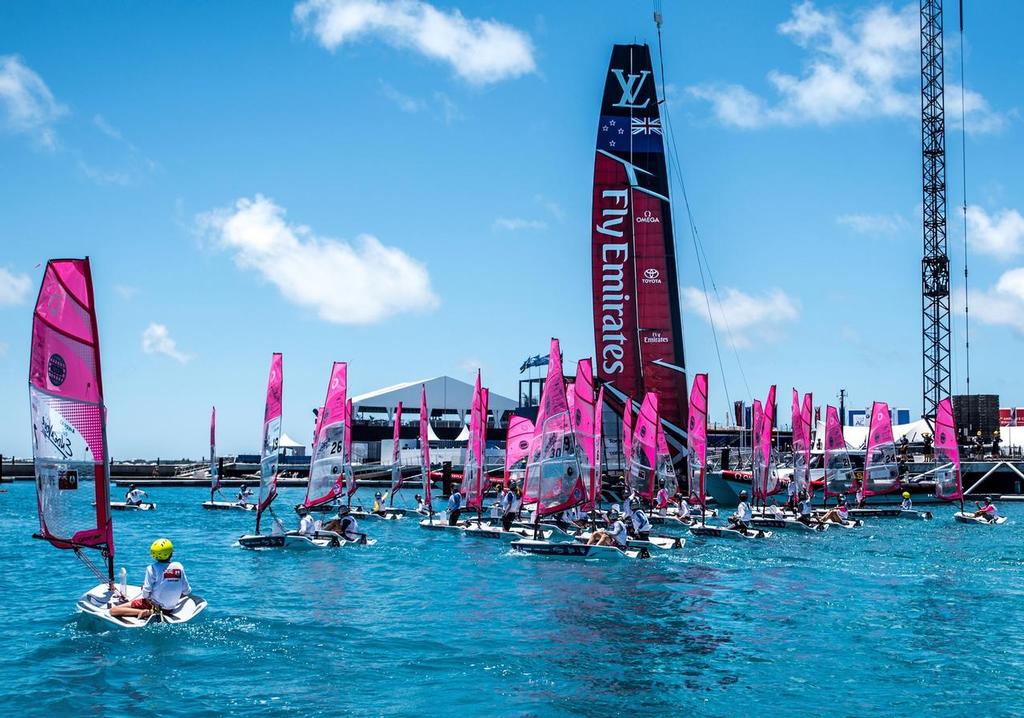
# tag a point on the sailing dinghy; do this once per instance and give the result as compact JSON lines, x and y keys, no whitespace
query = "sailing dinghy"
{"x":396,"y":466}
{"x":839,"y":476}
{"x":215,"y":484}
{"x":554,"y":479}
{"x":69,"y":440}
{"x":430,"y":523}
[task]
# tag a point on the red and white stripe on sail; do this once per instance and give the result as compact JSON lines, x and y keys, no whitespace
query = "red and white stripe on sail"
{"x":839,"y":478}
{"x":271,"y":437}
{"x":553,"y":476}
{"x":425,"y":447}
{"x":327,"y":465}
{"x":396,"y":468}
{"x":697,"y":437}
{"x":948,"y":481}
{"x":881,"y":474}
{"x":69,"y":436}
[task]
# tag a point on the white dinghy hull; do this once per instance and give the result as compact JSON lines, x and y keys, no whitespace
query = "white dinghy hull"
{"x":966,"y":518}
{"x":727,"y":533}
{"x":227,"y":506}
{"x":573,"y":550}
{"x":98,"y":602}
{"x":122,"y":506}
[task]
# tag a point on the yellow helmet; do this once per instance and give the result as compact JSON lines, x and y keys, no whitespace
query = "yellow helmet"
{"x":906,"y":495}
{"x":161,"y":549}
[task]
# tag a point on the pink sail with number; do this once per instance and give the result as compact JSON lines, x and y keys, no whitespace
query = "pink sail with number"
{"x":948,"y":482}
{"x":350,"y":476}
{"x":69,"y":439}
{"x":582,"y":406}
{"x":881,"y":474}
{"x":327,"y":465}
{"x":697,"y":437}
{"x":553,"y":474}
{"x":472,"y":474}
{"x":271,"y":437}
{"x":759,"y":452}
{"x":839,"y":478}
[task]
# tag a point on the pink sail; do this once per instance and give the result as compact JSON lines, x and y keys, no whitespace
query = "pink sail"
{"x":582,"y":408}
{"x":553,"y":476}
{"x":214,"y":469}
{"x":517,"y":446}
{"x":664,"y":469}
{"x":471,"y":471}
{"x":948,"y":486}
{"x":801,"y":442}
{"x":759,"y":453}
{"x":881,"y":475}
{"x":69,"y":438}
{"x":425,"y":447}
{"x":697,"y":437}
{"x":771,"y":479}
{"x":644,"y":460}
{"x":627,"y":439}
{"x":396,"y":468}
{"x":327,"y":465}
{"x":485,"y":399}
{"x":271,"y":437}
{"x":805,"y":418}
{"x":839,"y":477}
{"x":594,"y":494}
{"x":350,"y":476}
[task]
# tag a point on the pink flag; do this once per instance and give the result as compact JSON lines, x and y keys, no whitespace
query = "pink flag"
{"x":396,"y":469}
{"x":948,"y":484}
{"x":271,"y":437}
{"x":425,"y":447}
{"x":68,"y":415}
{"x":517,"y":445}
{"x":838,"y":469}
{"x":327,"y":465}
{"x":881,"y":475}
{"x":553,"y":476}
{"x":697,"y":436}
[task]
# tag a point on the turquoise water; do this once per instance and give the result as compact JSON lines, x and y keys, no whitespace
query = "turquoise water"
{"x":896,"y":618}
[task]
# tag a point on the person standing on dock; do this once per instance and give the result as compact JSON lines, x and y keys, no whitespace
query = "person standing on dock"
{"x":454,"y":508}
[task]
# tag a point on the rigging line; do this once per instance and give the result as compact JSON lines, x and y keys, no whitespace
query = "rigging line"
{"x":674,"y":163}
{"x":963,"y":168}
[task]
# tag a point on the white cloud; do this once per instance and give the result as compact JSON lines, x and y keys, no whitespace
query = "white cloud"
{"x":745,"y":316}
{"x":344,"y":283}
{"x":106,"y":128}
{"x":406,"y":103}
{"x":874,"y":223}
{"x":101,"y":176}
{"x":514,"y":224}
{"x":479,"y":51}
{"x":1000,"y":234}
{"x":858,"y":67}
{"x":14,"y":288}
{"x":157,"y":340}
{"x":126,"y":292}
{"x":1003,"y":304}
{"x":28,"y":105}
{"x":470,"y":365}
{"x":551,"y":206}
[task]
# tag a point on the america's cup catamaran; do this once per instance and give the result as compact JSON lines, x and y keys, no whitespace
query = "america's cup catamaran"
{"x":69,"y":440}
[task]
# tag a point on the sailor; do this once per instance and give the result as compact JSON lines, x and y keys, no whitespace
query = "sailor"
{"x":163,"y":588}
{"x":378,"y":504}
{"x":662,"y":500}
{"x":860,"y":494}
{"x":683,"y":513}
{"x":454,"y":508}
{"x":792,"y":492}
{"x":614,"y":535}
{"x":804,"y":508}
{"x":632,"y":500}
{"x":345,"y":525}
{"x":244,"y":494}
{"x":641,"y":524}
{"x":740,"y":520}
{"x":987,"y":511}
{"x":421,"y":506}
{"x":133,"y":497}
{"x":907,"y":504}
{"x":837,"y":515}
{"x":307,"y":526}
{"x":507,"y":503}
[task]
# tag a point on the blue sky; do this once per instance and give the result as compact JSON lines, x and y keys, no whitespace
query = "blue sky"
{"x":406,"y":186}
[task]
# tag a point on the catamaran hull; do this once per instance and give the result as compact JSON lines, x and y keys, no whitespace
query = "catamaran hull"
{"x":98,"y":602}
{"x":227,"y":506}
{"x":122,"y":506}
{"x":966,"y":518}
{"x":573,"y":550}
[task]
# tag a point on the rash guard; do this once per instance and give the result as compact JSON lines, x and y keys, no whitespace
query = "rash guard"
{"x":165,"y":583}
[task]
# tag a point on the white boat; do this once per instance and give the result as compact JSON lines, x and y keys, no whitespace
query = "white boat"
{"x":787,"y":523}
{"x":705,"y":531}
{"x":653,"y":544}
{"x":98,"y":602}
{"x":969,"y":518}
{"x":574,"y":550}
{"x":228,"y":506}
{"x":124,"y":506}
{"x":893,"y":512}
{"x":293,"y":540}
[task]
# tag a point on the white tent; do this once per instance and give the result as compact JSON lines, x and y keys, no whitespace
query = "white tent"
{"x":444,"y":394}
{"x":857,"y":436}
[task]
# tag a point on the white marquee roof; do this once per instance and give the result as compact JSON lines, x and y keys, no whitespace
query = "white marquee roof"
{"x":443,"y":392}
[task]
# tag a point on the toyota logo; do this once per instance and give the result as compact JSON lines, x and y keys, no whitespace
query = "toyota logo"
{"x":652,"y":273}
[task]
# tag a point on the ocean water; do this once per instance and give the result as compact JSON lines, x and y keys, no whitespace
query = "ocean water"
{"x":896,"y":618}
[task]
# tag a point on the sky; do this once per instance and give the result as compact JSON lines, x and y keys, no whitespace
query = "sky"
{"x":406,"y":186}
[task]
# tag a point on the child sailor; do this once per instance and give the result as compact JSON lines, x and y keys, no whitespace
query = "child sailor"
{"x":163,"y":588}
